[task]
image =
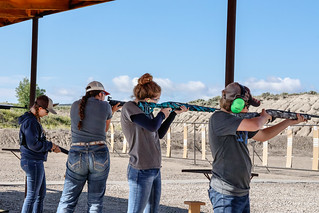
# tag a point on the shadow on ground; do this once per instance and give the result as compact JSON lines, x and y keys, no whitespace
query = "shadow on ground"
{"x":12,"y":200}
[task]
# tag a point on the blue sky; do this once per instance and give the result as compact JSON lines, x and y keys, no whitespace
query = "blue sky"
{"x":181,"y":43}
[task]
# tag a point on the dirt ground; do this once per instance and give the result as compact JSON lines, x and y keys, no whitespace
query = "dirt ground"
{"x":276,"y":190}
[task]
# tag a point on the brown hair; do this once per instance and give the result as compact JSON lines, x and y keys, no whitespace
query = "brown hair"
{"x":226,"y":104}
{"x":146,"y":87}
{"x":83,"y":104}
{"x":41,"y":101}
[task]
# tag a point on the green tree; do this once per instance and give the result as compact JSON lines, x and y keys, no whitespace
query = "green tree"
{"x":23,"y":92}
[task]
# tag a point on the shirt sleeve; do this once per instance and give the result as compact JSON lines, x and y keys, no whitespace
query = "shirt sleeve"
{"x":165,"y":125}
{"x":147,"y":123}
{"x":225,"y":123}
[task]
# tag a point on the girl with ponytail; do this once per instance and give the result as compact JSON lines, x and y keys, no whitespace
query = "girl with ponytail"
{"x":34,"y":149}
{"x":143,"y":132}
{"x":88,"y":159}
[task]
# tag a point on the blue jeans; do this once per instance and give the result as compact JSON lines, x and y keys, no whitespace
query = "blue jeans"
{"x":228,"y":203}
{"x":36,"y":185}
{"x":91,"y":164}
{"x":145,"y":190}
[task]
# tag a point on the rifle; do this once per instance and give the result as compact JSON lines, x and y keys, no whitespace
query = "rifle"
{"x":4,"y":106}
{"x":148,"y":107}
{"x":18,"y":150}
{"x":276,"y":114}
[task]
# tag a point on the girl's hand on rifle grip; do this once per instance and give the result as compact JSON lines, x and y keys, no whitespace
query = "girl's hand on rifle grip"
{"x":166,"y":111}
{"x":183,"y":109}
{"x":298,"y":120}
{"x":55,"y":148}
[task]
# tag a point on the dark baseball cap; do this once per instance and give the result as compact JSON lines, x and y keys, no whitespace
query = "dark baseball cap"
{"x":46,"y":103}
{"x":235,"y":90}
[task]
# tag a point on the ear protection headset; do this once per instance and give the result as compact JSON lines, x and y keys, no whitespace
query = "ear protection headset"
{"x":239,"y":103}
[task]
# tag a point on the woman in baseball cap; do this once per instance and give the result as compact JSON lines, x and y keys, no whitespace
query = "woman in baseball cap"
{"x":90,"y":120}
{"x":34,"y":149}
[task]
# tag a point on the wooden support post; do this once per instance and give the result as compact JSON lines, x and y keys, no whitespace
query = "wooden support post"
{"x":265,"y":153}
{"x":289,"y":148}
{"x":168,"y":152}
{"x":315,"y":148}
{"x":185,"y":155}
{"x":203,"y":142}
{"x":124,"y":145}
{"x":194,"y":206}
{"x":112,"y":137}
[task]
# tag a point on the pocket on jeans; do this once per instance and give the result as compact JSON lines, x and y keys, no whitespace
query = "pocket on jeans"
{"x":101,"y":160}
{"x":24,"y":165}
{"x":74,"y":161}
{"x":132,"y":174}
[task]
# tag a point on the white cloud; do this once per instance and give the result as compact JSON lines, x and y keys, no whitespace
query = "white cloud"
{"x":192,"y":86}
{"x":11,"y":80}
{"x":182,"y":92}
{"x":90,"y":79}
{"x":123,"y":83}
{"x":8,"y":95}
{"x":274,"y":84}
{"x":165,"y":83}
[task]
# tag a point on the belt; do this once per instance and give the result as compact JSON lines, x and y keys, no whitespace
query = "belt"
{"x":88,"y":143}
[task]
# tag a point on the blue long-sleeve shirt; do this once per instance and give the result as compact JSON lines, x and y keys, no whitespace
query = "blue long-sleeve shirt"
{"x":36,"y":146}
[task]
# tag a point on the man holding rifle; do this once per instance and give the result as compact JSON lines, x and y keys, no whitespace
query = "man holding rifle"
{"x":228,"y":136}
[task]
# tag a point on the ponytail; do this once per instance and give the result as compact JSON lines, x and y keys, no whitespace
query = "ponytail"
{"x":83,"y":105}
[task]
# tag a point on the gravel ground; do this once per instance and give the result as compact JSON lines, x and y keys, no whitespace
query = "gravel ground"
{"x":275,"y":191}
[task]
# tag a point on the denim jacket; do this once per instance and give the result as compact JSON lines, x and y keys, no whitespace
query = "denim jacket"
{"x":36,"y":146}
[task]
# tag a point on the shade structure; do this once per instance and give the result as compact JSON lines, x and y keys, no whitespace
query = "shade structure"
{"x":15,"y":11}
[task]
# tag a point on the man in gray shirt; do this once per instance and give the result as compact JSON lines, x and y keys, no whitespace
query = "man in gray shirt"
{"x":228,"y":135}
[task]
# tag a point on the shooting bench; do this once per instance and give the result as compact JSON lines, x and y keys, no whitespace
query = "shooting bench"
{"x":194,"y":206}
{"x":208,"y":172}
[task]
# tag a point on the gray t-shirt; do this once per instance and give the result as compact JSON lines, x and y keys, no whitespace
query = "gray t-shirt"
{"x":145,"y":149}
{"x":232,"y":164}
{"x":97,"y":112}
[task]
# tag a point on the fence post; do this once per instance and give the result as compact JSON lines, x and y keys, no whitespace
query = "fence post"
{"x":203,"y":142}
{"x":124,"y":145}
{"x":315,"y":148}
{"x":185,"y":141}
{"x":112,"y":137}
{"x":265,"y":153}
{"x":168,"y":152}
{"x":289,"y":147}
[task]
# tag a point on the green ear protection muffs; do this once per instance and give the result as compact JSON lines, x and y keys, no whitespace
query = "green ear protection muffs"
{"x":239,"y":103}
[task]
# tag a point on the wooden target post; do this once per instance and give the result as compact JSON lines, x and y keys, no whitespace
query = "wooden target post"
{"x":265,"y":153}
{"x":315,"y":148}
{"x":289,"y":147}
{"x":185,"y":154}
{"x":168,"y":151}
{"x":124,"y":145}
{"x":112,"y":137}
{"x":203,"y":142}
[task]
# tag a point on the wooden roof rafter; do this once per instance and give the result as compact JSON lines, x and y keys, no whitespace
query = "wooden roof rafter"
{"x":14,"y":11}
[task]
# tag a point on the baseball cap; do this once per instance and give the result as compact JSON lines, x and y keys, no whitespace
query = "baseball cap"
{"x":95,"y":85}
{"x":234,"y":90}
{"x":46,"y":103}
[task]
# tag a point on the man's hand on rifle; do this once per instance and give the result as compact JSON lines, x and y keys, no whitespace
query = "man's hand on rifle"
{"x":116,"y":107}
